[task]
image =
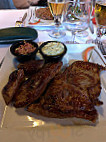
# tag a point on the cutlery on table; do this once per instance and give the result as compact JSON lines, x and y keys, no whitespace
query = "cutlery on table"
{"x":1,"y":62}
{"x":100,"y":45}
{"x":20,"y":23}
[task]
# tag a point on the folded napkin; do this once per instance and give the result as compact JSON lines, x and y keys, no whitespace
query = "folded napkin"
{"x":9,"y":35}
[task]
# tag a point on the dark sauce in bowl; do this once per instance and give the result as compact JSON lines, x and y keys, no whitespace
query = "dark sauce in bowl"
{"x":24,"y":50}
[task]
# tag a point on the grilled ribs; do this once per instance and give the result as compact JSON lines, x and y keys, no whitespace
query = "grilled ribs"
{"x":33,"y":88}
{"x":14,"y":82}
{"x":73,"y":93}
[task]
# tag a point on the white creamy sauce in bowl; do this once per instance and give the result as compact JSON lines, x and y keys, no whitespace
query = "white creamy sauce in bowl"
{"x":53,"y":48}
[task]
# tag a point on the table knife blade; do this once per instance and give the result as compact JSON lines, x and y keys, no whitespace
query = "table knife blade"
{"x":24,"y":17}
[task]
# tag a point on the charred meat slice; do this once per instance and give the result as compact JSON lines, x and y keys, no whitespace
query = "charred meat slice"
{"x":85,"y":74}
{"x":33,"y":88}
{"x":73,"y":93}
{"x":31,"y":66}
{"x":14,"y":82}
{"x":88,"y":115}
{"x":88,"y":67}
{"x":65,"y":100}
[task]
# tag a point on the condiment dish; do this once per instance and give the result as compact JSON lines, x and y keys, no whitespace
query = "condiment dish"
{"x":24,"y":50}
{"x":52,"y":51}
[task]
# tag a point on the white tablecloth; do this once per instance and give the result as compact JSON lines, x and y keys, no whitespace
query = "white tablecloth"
{"x":8,"y":19}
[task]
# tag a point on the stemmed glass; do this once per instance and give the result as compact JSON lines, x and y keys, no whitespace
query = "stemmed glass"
{"x":57,"y":8}
{"x":77,"y":17}
{"x":100,"y":15}
{"x":86,"y":33}
{"x":31,"y":11}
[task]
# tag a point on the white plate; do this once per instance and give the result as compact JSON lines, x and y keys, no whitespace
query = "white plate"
{"x":20,"y":125}
{"x":42,"y":25}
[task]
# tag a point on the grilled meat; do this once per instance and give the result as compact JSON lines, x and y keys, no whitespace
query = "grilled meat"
{"x":71,"y":93}
{"x":87,"y":70}
{"x":31,"y":66}
{"x":14,"y":82}
{"x":63,"y":99}
{"x":44,"y":13}
{"x":33,"y":88}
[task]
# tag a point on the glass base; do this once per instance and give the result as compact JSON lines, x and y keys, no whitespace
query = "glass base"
{"x":56,"y":34}
{"x":71,"y":42}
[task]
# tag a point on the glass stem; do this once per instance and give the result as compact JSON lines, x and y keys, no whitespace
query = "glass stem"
{"x":73,"y":36}
{"x":57,"y":24}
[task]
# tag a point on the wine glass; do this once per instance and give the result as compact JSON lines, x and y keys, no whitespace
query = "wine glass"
{"x":57,"y":8}
{"x":86,"y":33}
{"x":77,"y":17}
{"x":100,"y":15}
{"x":31,"y":10}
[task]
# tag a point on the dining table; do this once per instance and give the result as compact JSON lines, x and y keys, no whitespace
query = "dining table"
{"x":17,"y":131}
{"x":8,"y":19}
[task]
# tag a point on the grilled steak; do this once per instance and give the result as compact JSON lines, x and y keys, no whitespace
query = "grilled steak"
{"x":73,"y":93}
{"x":33,"y":88}
{"x":14,"y":82}
{"x":31,"y":66}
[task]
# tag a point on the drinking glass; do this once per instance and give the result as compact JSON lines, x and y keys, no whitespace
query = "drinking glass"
{"x":77,"y":17}
{"x":57,"y":8}
{"x":100,"y":15}
{"x":31,"y":11}
{"x":86,"y":33}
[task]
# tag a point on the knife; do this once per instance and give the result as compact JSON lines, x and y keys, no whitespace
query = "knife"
{"x":91,"y":27}
{"x":1,"y":62}
{"x":24,"y":17}
{"x":20,"y":22}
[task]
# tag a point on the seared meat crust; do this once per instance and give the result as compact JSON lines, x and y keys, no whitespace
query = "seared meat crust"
{"x":73,"y":93}
{"x":14,"y":82}
{"x":33,"y":88}
{"x":31,"y":66}
{"x":88,"y":115}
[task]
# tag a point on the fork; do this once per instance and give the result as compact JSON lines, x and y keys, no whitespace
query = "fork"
{"x":100,"y":46}
{"x":20,"y":23}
